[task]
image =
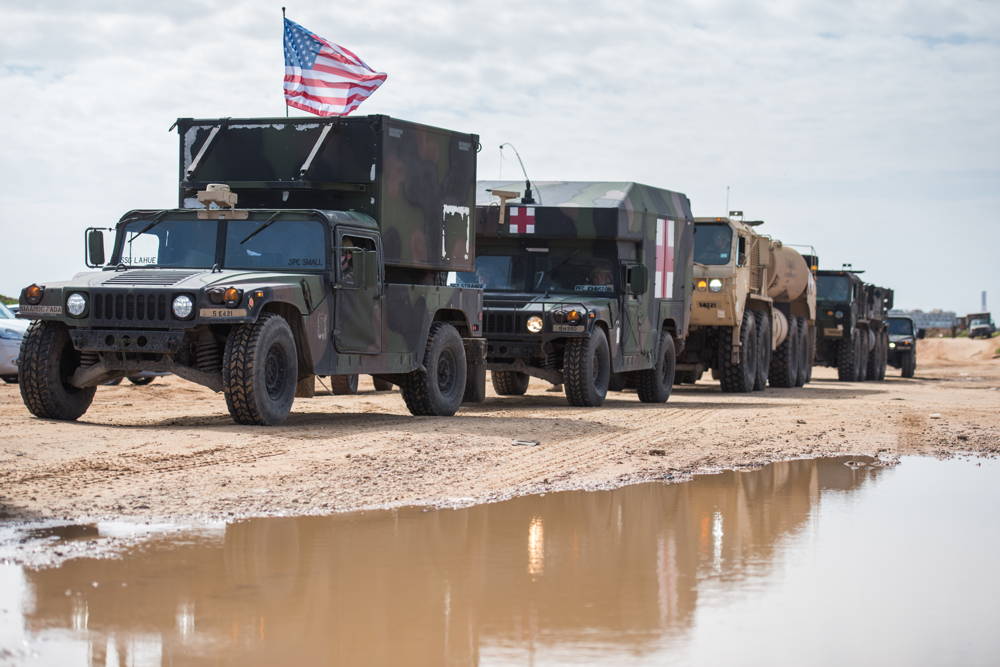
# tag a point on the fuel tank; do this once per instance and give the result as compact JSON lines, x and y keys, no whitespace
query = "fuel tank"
{"x":789,"y":274}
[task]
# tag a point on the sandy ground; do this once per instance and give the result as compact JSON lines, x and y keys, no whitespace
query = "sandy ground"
{"x":170,"y":451}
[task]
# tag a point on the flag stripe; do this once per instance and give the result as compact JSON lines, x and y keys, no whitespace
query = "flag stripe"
{"x":323,"y":99}
{"x":324,"y":79}
{"x":320,"y":87}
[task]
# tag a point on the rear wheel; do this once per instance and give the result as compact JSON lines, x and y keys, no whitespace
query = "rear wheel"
{"x":763,"y":350}
{"x":437,"y":388}
{"x":883,"y":354}
{"x":739,"y":376}
{"x":510,"y":383}
{"x":260,"y":371}
{"x":802,"y":360}
{"x":587,"y":369}
{"x":810,"y":351}
{"x":344,"y":384}
{"x":863,"y":354}
{"x":655,"y":384}
{"x":785,"y":362}
{"x":909,"y":365}
{"x":48,"y":360}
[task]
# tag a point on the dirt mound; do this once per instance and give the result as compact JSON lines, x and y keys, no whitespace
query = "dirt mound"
{"x":956,"y":350}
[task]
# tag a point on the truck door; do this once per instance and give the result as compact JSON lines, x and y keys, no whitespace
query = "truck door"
{"x":633,"y":316}
{"x":358,"y":293}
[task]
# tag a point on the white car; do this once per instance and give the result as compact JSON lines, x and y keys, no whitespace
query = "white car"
{"x":11,"y":332}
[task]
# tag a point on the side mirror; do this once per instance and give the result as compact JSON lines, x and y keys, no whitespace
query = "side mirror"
{"x":921,"y":333}
{"x":95,"y":249}
{"x":638,"y":279}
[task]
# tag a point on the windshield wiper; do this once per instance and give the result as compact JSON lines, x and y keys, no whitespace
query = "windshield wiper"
{"x":267,"y":223}
{"x":157,"y":219}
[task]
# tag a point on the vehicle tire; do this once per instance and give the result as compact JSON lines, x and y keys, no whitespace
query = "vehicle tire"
{"x":48,"y":359}
{"x":436,"y":390}
{"x":616,"y":382}
{"x":343,"y":385}
{"x":655,"y":384}
{"x":9,"y":379}
{"x":784,"y":370}
{"x":475,"y":381}
{"x":802,"y":360}
{"x":883,"y":355}
{"x":847,"y":358}
{"x":142,"y":380}
{"x":863,"y":354}
{"x":260,"y":371}
{"x":763,"y":350}
{"x":909,"y":364}
{"x":587,"y":369}
{"x":510,"y":383}
{"x":381,"y":385}
{"x":810,"y":351}
{"x":739,"y":377}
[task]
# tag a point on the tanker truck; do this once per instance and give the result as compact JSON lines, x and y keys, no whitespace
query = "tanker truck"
{"x":753,"y":310}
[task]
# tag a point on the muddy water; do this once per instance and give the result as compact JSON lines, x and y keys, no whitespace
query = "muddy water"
{"x":805,"y":562}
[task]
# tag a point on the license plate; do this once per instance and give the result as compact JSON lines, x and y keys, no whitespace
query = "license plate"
{"x":567,"y":328}
{"x":223,"y":312}
{"x":47,"y":310}
{"x":832,"y":332}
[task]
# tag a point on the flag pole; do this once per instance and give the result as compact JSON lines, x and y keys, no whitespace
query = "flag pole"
{"x":283,"y":40}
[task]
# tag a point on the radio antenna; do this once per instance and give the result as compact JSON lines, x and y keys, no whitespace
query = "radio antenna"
{"x":527,"y":198}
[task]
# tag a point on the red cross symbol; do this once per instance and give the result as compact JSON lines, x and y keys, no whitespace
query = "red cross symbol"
{"x":664,"y":258}
{"x":522,"y":220}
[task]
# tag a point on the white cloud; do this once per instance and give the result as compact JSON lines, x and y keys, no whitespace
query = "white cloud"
{"x":867,"y":130}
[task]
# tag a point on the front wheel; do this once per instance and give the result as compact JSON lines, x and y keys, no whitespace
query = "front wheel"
{"x":739,"y":377}
{"x":437,"y":389}
{"x":260,"y":371}
{"x":587,"y":370}
{"x":656,"y":383}
{"x":48,"y":360}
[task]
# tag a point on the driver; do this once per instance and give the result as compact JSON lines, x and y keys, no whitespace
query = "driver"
{"x":601,"y":275}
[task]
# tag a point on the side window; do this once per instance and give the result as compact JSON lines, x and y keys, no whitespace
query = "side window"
{"x":350,"y":253}
{"x":741,"y":256}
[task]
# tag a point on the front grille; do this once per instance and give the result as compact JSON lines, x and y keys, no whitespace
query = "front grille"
{"x":149,"y":277}
{"x":123,"y":307}
{"x":504,"y":322}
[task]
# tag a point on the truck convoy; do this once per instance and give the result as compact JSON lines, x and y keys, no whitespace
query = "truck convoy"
{"x":588,"y":286}
{"x":300,"y":247}
{"x":851,"y":333}
{"x":753,"y":309}
{"x":902,"y":353}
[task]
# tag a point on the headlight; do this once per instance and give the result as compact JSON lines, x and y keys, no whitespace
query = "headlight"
{"x":892,"y":345}
{"x":10,"y":334}
{"x":839,"y":314}
{"x":714,"y":285}
{"x":535,"y":324}
{"x":183,"y":307}
{"x":76,"y":304}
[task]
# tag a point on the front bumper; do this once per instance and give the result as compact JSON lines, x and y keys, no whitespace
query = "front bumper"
{"x":126,"y":340}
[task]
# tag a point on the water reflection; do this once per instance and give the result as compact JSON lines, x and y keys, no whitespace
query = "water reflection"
{"x":607,"y":573}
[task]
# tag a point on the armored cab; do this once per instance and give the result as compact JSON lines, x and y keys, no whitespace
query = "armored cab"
{"x":300,"y":248}
{"x":586,"y":285}
{"x":851,"y":332}
{"x":753,"y":309}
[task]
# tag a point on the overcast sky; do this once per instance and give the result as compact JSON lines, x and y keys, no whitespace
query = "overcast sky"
{"x":870,"y":133}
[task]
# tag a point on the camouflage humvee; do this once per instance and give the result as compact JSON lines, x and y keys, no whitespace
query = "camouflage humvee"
{"x":587,"y":285}
{"x":301,"y":247}
{"x":851,"y":330}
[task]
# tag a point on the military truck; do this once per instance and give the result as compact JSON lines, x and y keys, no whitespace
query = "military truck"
{"x":753,"y":309}
{"x":981,"y":325}
{"x":301,"y":247}
{"x":587,"y":286}
{"x":851,"y":333}
{"x":902,"y":352}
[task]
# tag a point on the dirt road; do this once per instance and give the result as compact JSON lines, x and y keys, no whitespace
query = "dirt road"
{"x":170,"y":451}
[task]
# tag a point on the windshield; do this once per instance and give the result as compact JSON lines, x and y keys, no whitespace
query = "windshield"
{"x":833,"y":288}
{"x":976,"y":323}
{"x":900,"y":327}
{"x":5,"y":313}
{"x":561,"y":270}
{"x":713,"y":243}
{"x":283,"y":245}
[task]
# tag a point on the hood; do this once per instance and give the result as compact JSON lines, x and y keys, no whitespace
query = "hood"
{"x":186,"y":279}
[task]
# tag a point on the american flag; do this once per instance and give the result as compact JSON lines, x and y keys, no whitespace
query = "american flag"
{"x":322,"y":77}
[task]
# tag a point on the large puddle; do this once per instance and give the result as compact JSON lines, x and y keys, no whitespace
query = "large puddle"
{"x":804,"y":562}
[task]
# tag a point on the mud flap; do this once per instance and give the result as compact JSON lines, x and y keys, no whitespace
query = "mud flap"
{"x":306,"y":387}
{"x":475,"y":375}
